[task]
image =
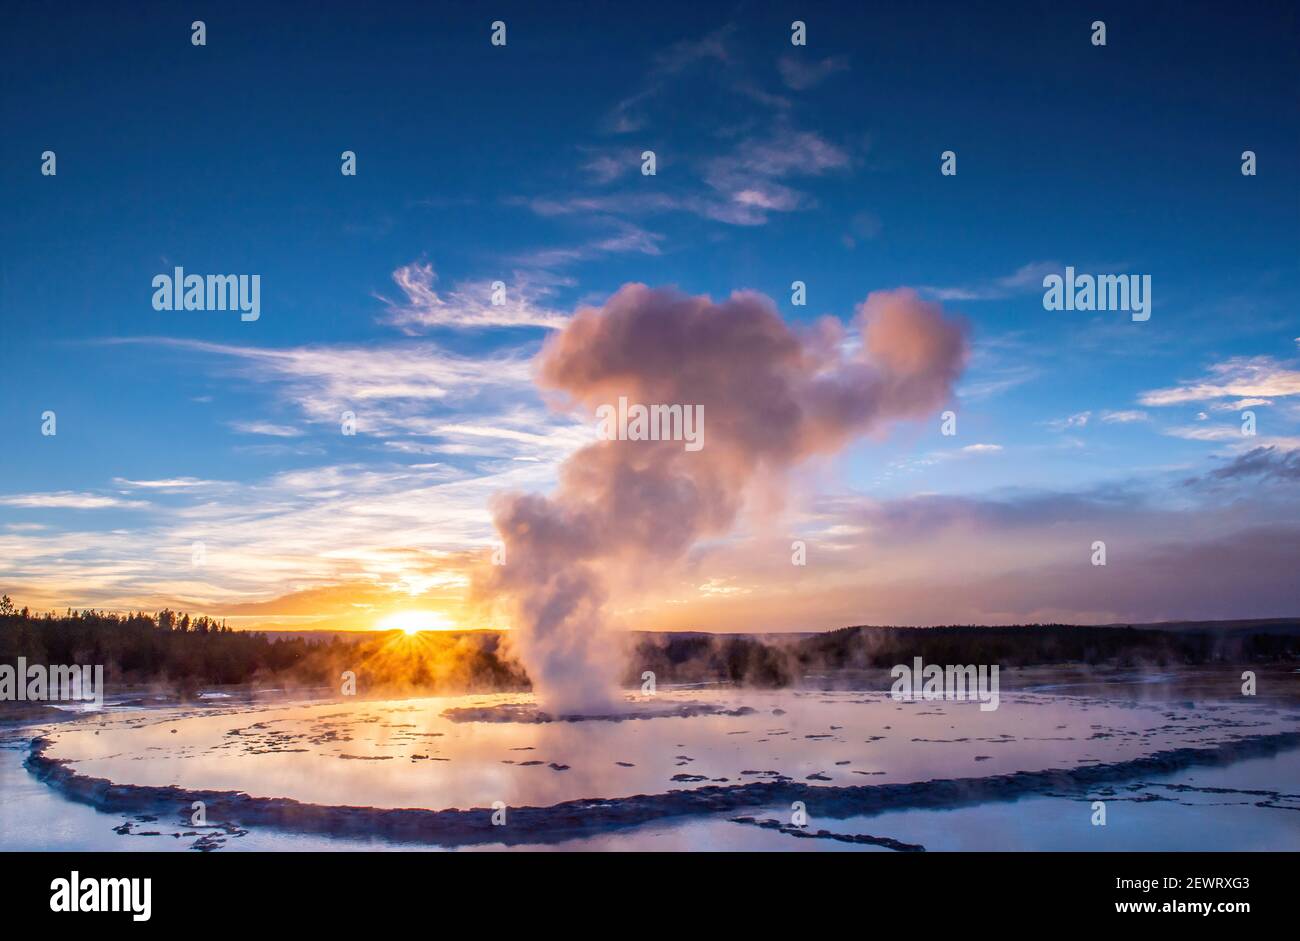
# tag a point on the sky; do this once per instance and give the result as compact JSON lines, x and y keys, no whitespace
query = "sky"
{"x":198,"y":460}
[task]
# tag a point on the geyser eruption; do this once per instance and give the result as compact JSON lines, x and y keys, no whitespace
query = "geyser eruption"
{"x":772,"y":396}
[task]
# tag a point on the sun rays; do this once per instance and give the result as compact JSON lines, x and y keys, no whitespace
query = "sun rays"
{"x":413,"y":622}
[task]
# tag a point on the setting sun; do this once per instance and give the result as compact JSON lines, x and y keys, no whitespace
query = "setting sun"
{"x":412,"y":622}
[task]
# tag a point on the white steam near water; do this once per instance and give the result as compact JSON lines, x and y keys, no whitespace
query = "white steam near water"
{"x":773,"y":396}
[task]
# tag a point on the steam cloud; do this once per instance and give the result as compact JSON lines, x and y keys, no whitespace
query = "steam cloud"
{"x":624,"y":510}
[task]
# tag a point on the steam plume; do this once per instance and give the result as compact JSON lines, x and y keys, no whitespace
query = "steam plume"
{"x":773,"y":398}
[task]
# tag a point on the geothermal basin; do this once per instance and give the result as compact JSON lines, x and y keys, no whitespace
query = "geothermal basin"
{"x":687,"y":768}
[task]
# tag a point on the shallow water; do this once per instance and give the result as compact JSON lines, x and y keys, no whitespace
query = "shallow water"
{"x":409,"y":753}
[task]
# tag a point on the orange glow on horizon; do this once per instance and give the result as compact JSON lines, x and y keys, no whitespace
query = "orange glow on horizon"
{"x":415,"y":621}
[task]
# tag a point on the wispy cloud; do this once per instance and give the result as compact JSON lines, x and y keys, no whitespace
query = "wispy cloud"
{"x":1232,"y":436}
{"x":762,"y":151}
{"x":751,"y":178}
{"x":1241,"y":376}
{"x":633,"y":112}
{"x":322,"y":380}
{"x":266,"y":428}
{"x":1204,"y":432}
{"x":800,"y":74}
{"x":468,"y":306}
{"x":1026,"y":279}
{"x":1077,"y":420}
{"x":69,"y":500}
{"x":604,"y":165}
{"x":990,"y":382}
{"x":1124,"y":416}
{"x":483,"y":408}
{"x":625,"y":237}
{"x":1241,"y":404}
{"x":165,"y":483}
{"x":1268,"y":463}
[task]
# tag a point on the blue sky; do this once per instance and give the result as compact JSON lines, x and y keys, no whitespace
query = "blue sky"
{"x":522,"y":164}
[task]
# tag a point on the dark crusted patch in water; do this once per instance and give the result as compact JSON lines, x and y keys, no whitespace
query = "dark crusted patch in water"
{"x":790,"y":829}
